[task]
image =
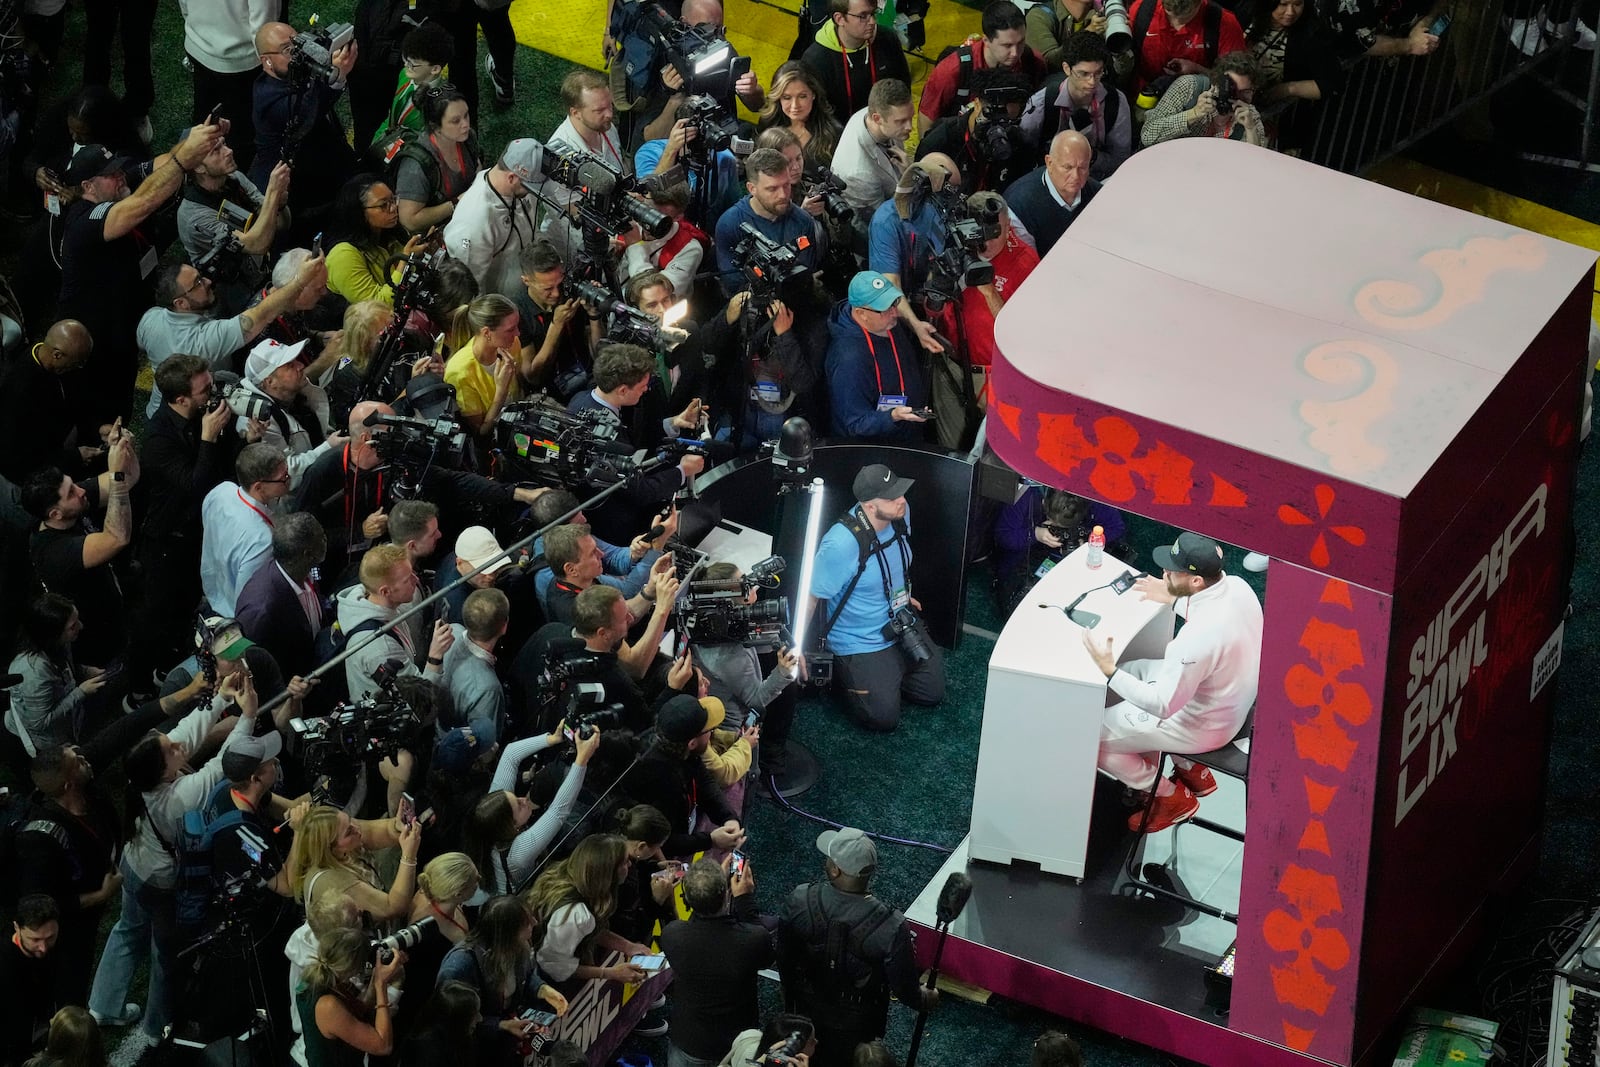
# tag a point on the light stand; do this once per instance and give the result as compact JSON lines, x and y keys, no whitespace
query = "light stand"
{"x":791,"y":768}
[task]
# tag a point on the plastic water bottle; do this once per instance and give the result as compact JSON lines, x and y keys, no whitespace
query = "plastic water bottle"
{"x":1097,"y":547}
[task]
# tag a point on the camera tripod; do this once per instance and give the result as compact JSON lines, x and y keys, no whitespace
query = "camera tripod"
{"x":200,"y":1021}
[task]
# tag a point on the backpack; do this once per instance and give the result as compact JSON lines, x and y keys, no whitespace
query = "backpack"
{"x":196,"y":846}
{"x":866,"y":544}
{"x":331,"y":640}
{"x":15,"y":820}
{"x":1030,"y":65}
{"x":1051,"y":119}
{"x":1211,"y":28}
{"x":637,"y":59}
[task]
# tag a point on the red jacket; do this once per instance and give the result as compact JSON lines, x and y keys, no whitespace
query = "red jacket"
{"x":1011,"y":268}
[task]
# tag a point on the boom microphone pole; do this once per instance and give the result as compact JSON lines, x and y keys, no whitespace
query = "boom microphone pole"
{"x":952,"y":899}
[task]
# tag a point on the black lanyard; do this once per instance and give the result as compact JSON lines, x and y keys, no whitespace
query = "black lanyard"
{"x":883,"y":566}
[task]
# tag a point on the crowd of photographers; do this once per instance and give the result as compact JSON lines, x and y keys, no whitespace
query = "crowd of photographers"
{"x":383,"y":351}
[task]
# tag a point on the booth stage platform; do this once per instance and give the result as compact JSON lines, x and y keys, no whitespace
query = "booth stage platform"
{"x":1096,"y":954}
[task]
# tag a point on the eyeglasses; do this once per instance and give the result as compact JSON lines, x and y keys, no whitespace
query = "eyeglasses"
{"x":198,"y":282}
{"x":862,"y":16}
{"x":388,"y":203}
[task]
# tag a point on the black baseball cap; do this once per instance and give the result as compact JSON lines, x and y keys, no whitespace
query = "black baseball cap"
{"x":1191,"y":553}
{"x":877,"y":482}
{"x":92,"y":161}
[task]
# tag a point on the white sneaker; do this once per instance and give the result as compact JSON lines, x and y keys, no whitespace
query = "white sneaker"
{"x":1255,"y":562}
{"x":130,"y":1015}
{"x":146,"y":134}
{"x":1586,"y":38}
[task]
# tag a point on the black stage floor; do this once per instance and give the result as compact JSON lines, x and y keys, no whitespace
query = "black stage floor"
{"x":1149,"y":948}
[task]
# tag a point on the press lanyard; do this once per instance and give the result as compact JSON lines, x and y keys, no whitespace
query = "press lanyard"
{"x":350,"y":490}
{"x":878,"y":373}
{"x":264,"y":516}
{"x":883,"y":567}
{"x":872,"y":74}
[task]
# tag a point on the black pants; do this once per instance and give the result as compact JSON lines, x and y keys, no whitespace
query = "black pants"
{"x":166,"y":618}
{"x":46,"y":32}
{"x":134,"y":19}
{"x":875,"y":684}
{"x":497,"y":34}
{"x":231,"y":94}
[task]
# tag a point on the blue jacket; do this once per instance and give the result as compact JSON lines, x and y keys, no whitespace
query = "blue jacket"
{"x":862,"y":367}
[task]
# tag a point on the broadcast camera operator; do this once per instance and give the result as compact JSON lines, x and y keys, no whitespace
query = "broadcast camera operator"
{"x":623,"y":374}
{"x":180,"y":321}
{"x":296,"y":120}
{"x":770,"y":210}
{"x":595,"y":646}
{"x":351,"y":489}
{"x":652,"y":110}
{"x":906,"y":235}
{"x":984,"y":138}
{"x":869,"y":620}
{"x":717,"y":172}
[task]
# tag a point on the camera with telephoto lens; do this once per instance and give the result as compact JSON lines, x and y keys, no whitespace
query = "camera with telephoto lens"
{"x":627,"y":325}
{"x":906,"y":628}
{"x":784,"y":1056}
{"x":606,"y":197}
{"x":716,"y":613}
{"x":249,"y":403}
{"x":1119,"y":32}
{"x":402,"y":940}
{"x":311,"y":52}
{"x":377,"y":727}
{"x":766,"y":265}
{"x":826,"y":184}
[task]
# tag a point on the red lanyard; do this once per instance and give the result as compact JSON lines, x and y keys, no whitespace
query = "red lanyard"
{"x":240,"y":798}
{"x":872,"y":74}
{"x":264,"y":516}
{"x":446,"y":918}
{"x":877,"y":373}
{"x":350,"y":488}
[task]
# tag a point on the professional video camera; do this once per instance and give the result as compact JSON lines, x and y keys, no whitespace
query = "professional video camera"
{"x":701,"y":55}
{"x":715,"y":613}
{"x":311,"y":52}
{"x":588,"y":711}
{"x":826,"y":184}
{"x":226,"y":261}
{"x":997,"y":135}
{"x":959,"y":263}
{"x":416,"y":290}
{"x":767,"y":265}
{"x":410,"y":447}
{"x":629,"y":325}
{"x":546,"y":444}
{"x":571,"y":671}
{"x":605,"y":202}
{"x":374,"y":728}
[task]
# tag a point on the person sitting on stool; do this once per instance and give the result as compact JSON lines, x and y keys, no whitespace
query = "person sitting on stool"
{"x":1197,"y":696}
{"x":862,"y":584}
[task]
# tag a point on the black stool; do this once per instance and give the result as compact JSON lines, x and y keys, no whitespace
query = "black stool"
{"x":1229,"y":760}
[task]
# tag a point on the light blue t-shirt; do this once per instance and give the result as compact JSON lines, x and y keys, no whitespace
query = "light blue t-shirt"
{"x":859,"y":628}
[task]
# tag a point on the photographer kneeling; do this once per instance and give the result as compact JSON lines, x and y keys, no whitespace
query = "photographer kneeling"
{"x":861,"y":582}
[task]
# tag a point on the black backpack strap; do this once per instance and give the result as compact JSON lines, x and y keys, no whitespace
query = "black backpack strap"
{"x":963,"y":73}
{"x":1212,"y":30}
{"x":866,"y":544}
{"x":1141,"y":25}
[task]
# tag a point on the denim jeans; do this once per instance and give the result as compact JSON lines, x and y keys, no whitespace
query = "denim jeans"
{"x":147,"y":922}
{"x":676,"y":1057}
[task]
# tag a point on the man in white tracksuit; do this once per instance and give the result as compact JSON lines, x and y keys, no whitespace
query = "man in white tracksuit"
{"x":1197,"y":696}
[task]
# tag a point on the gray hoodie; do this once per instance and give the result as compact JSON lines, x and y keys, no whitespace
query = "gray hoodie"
{"x":399,"y":644}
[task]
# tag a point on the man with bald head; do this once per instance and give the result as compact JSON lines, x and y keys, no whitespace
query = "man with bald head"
{"x":38,"y":422}
{"x":323,"y":158}
{"x":1047,"y":199}
{"x":654,"y":112}
{"x":350,"y":490}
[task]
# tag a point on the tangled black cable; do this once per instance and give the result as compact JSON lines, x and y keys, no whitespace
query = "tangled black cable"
{"x":1516,"y":979}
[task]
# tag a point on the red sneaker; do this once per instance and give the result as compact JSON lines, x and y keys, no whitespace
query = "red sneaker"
{"x":1180,"y":806}
{"x":1198,"y":779}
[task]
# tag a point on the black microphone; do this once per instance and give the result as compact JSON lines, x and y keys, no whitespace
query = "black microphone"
{"x":953,"y":897}
{"x":654,"y":532}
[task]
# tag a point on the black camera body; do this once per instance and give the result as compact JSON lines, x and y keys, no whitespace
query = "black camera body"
{"x":1224,"y":94}
{"x":829,"y":186}
{"x":410,"y":447}
{"x":377,"y":727}
{"x":793,"y":1045}
{"x":766,"y":265}
{"x":626,"y":325}
{"x":997,"y":135}
{"x":549,"y":445}
{"x":588,"y":710}
{"x":311,"y":53}
{"x":960,"y":263}
{"x":717,"y":129}
{"x":702,"y":56}
{"x":906,"y":629}
{"x":606,"y":202}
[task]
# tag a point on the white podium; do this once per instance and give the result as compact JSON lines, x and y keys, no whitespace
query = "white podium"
{"x":1042,"y":714}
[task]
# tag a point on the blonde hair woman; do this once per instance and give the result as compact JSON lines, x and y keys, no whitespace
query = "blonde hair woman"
{"x":330,"y":856}
{"x":573,"y":901}
{"x":484,"y":370}
{"x":445,"y":884}
{"x":340,"y":1028}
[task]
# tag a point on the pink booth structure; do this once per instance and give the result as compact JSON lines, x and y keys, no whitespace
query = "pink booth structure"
{"x":1383,"y":395}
